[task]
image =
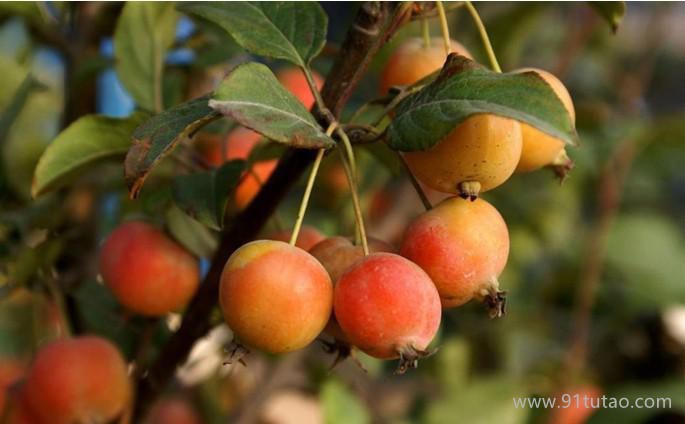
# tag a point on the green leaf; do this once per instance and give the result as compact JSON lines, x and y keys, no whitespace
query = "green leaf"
{"x":144,"y":32}
{"x":252,"y":96}
{"x":340,"y":406}
{"x":612,"y":12}
{"x":31,"y":130}
{"x":293,"y":31}
{"x":158,"y":137}
{"x":16,"y":105}
{"x":194,"y":236}
{"x":217,"y":48}
{"x":84,"y":143}
{"x":203,"y":195}
{"x":465,"y":88}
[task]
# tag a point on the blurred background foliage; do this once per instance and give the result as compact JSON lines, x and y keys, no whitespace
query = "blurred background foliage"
{"x":608,"y":244}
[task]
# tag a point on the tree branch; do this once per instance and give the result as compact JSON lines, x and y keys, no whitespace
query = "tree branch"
{"x":372,"y":26}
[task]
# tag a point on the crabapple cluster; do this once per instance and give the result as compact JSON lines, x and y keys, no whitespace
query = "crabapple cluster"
{"x":463,"y":246}
{"x":484,"y":150}
{"x":278,"y":297}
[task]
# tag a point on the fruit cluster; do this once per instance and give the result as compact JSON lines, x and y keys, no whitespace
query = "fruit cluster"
{"x":277,"y":297}
{"x":482,"y":152}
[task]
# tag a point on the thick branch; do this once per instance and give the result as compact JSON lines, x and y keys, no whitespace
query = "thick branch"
{"x":368,"y":32}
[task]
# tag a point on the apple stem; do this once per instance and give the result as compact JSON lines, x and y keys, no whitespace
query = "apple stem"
{"x":312,"y":87}
{"x":415,"y":183}
{"x":347,"y":161}
{"x":484,"y":37}
{"x":349,"y":153}
{"x":426,"y":32}
{"x":444,"y":27}
{"x":307,"y":193}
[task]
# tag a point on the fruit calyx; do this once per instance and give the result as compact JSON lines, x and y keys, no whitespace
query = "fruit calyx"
{"x":235,"y":352}
{"x":409,"y":358}
{"x":562,"y":165}
{"x":469,"y":190}
{"x":342,"y":350}
{"x":494,"y":299}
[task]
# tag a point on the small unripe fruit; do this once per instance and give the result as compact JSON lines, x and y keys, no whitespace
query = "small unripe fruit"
{"x":478,"y":155}
{"x":148,"y":273}
{"x":539,"y":148}
{"x":337,"y":254}
{"x":274,"y":296}
{"x":172,"y":411}
{"x":80,"y":380}
{"x":463,"y":246}
{"x":308,"y":237}
{"x":388,"y":307}
{"x":412,"y":61}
